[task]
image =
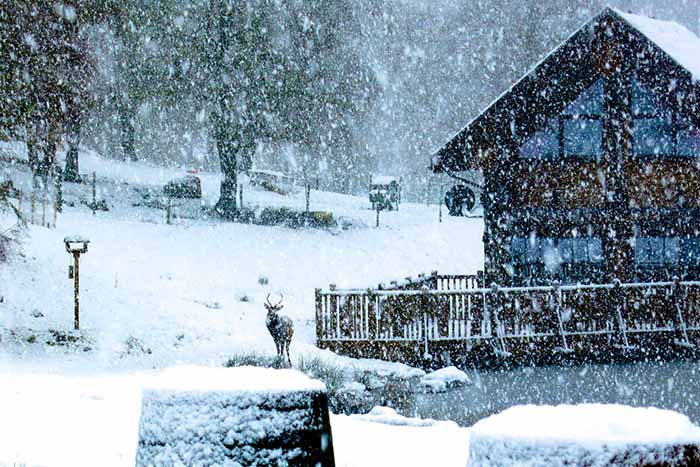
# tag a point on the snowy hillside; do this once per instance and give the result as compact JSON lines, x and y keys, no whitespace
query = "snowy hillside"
{"x":153,"y":295}
{"x":191,"y":292}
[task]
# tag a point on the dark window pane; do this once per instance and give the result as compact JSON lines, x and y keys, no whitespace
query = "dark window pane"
{"x":688,"y":140}
{"x":590,"y":102}
{"x":566,"y":250}
{"x":644,"y":101}
{"x":595,"y":250}
{"x":652,"y":136}
{"x":542,"y":145}
{"x":580,"y":250}
{"x":649,"y":251}
{"x":671,"y":250}
{"x":518,"y":249}
{"x":691,"y":251}
{"x":583,"y":137}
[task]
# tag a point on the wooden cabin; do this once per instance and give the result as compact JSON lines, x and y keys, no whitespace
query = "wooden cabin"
{"x":591,"y":161}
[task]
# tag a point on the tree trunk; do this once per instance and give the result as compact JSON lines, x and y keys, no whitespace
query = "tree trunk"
{"x":49,"y":146}
{"x":72,"y":172}
{"x":226,"y":207}
{"x":32,"y":156}
{"x":126,"y":120}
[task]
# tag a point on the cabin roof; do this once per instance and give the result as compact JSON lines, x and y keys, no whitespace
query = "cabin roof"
{"x":674,"y":39}
{"x":673,"y":42}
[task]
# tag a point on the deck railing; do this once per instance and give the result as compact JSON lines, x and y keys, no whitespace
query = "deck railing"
{"x":501,"y":316}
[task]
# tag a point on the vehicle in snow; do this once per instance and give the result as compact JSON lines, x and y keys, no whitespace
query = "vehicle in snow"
{"x":385,"y":193}
{"x":271,"y":180}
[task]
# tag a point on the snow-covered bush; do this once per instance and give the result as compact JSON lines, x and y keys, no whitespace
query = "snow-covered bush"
{"x":233,"y":416}
{"x":443,"y":379}
{"x":586,"y":434}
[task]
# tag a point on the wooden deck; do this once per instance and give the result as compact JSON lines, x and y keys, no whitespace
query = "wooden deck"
{"x":488,"y":327}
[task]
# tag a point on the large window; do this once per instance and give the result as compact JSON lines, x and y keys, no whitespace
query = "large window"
{"x":553,"y":253}
{"x":576,"y":132}
{"x":657,"y":130}
{"x":656,"y":252}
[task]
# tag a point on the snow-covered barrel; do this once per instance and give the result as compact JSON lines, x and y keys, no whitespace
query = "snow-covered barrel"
{"x":243,"y":416}
{"x":588,"y":434}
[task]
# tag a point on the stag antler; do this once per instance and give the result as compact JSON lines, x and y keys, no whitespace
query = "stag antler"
{"x":276,"y":305}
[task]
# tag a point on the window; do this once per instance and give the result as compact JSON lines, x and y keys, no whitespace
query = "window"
{"x":688,"y":140}
{"x":691,"y":251}
{"x":657,"y":130}
{"x":556,"y":250}
{"x":656,"y":251}
{"x":590,"y":102}
{"x":583,"y":137}
{"x":577,"y":132}
{"x":542,"y":145}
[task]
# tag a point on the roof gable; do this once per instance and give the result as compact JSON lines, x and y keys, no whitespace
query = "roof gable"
{"x":674,"y":39}
{"x":558,"y":79}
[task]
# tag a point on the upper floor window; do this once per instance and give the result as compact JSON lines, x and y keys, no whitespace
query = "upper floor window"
{"x":576,"y":132}
{"x":688,"y":144}
{"x":659,"y":131}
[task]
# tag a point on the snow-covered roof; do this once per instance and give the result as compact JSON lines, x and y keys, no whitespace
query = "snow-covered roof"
{"x":189,"y":378}
{"x":674,"y":39}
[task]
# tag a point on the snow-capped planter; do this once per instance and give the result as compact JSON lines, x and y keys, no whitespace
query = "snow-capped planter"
{"x":443,"y":379}
{"x":586,"y":434}
{"x":200,"y":416}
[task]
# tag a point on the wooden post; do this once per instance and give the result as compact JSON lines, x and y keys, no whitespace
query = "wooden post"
{"x":240,"y":195}
{"x":33,"y":205}
{"x":308,"y":195}
{"x":43,"y":207}
{"x":440,"y":205}
{"x":76,"y":289}
{"x":427,"y":198}
{"x":377,"y":215}
{"x":94,"y":192}
{"x":424,"y":306}
{"x":319,"y":318}
{"x":167,"y":210}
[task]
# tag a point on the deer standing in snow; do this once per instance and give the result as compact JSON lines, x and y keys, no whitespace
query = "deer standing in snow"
{"x":281,"y":328}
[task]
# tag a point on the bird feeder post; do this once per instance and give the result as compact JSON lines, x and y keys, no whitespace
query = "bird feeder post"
{"x":76,"y":246}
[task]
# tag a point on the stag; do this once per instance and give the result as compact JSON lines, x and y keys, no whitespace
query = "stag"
{"x":281,"y":328}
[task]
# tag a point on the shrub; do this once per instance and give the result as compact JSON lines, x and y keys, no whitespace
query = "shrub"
{"x":296,"y":219}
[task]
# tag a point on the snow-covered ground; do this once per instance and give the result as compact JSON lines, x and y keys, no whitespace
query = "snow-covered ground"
{"x":154,"y":295}
{"x":191,"y":292}
{"x":53,"y":420}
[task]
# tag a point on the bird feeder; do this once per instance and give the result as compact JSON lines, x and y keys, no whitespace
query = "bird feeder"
{"x":76,"y":246}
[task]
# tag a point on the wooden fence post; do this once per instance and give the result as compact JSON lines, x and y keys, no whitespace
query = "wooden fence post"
{"x":319,"y":318}
{"x":424,"y":306}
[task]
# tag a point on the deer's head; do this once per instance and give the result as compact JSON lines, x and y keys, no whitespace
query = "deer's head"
{"x":273,"y":308}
